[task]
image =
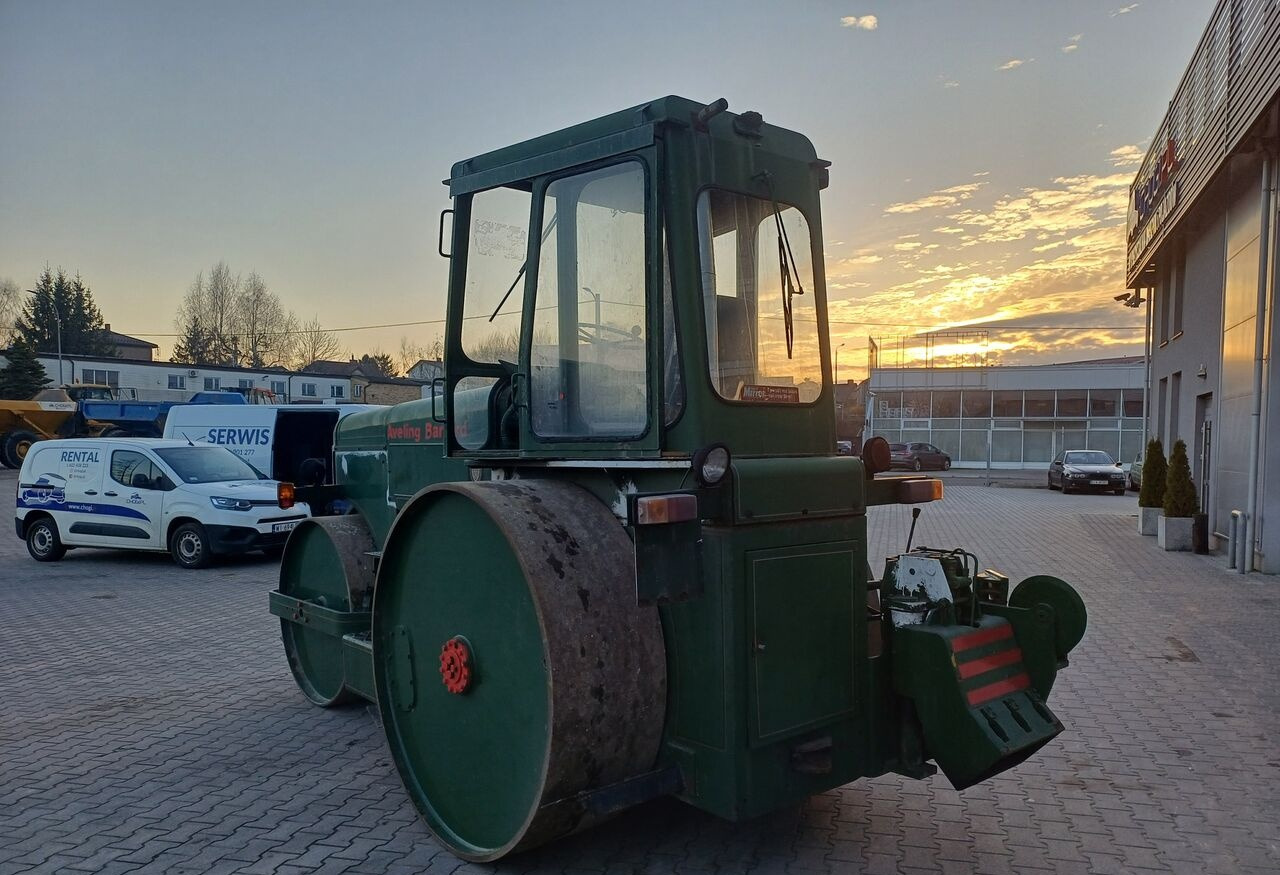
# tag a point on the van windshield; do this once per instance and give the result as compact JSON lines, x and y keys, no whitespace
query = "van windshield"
{"x":208,"y":465}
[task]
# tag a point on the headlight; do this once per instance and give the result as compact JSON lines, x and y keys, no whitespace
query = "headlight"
{"x":230,"y":503}
{"x":711,"y":463}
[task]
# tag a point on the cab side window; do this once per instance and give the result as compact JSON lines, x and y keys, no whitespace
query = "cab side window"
{"x":134,"y":470}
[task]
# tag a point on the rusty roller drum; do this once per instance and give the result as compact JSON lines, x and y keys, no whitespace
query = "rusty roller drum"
{"x":326,"y":561}
{"x":513,"y":668}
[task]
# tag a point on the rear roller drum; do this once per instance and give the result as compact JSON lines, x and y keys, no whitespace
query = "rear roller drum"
{"x":513,"y":668}
{"x":1069,"y":614}
{"x":326,"y":562}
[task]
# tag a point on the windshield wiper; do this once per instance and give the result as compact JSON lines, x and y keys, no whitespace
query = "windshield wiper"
{"x":791,"y":284}
{"x":520,"y":273}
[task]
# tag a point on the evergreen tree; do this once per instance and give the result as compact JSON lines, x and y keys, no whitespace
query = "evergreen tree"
{"x":379,"y":362}
{"x":1180,"y":493}
{"x":1154,"y":475}
{"x":197,"y":345}
{"x":82,"y":326}
{"x":24,"y":376}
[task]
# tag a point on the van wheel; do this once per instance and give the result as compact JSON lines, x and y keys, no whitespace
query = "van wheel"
{"x":16,"y":445}
{"x":4,"y":463}
{"x":189,"y":546}
{"x":43,"y":542}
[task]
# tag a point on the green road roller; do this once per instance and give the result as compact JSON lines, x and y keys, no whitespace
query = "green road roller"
{"x":615,"y":556}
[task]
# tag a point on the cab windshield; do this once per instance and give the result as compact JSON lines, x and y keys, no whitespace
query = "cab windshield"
{"x":208,"y":465}
{"x":758,"y":296}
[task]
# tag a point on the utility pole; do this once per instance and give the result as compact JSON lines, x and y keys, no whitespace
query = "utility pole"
{"x":57,"y":316}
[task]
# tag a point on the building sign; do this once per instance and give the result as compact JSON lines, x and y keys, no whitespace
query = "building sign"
{"x":884,"y":411}
{"x":1151,"y":202}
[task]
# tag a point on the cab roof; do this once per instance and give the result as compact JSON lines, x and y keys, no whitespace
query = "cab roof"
{"x":608,"y":135}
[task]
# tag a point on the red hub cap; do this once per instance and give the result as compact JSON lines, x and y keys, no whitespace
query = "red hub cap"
{"x":455,"y":665}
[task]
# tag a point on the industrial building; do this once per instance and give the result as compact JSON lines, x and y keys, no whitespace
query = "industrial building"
{"x":1202,"y":257}
{"x":1011,"y":416}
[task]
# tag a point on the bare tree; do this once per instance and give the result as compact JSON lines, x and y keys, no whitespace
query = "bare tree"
{"x":10,"y":310}
{"x":312,"y":343}
{"x":210,"y":304}
{"x":264,"y":330}
{"x":227,"y":320}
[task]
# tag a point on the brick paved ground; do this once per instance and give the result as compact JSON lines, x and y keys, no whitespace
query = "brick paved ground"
{"x":148,"y":723}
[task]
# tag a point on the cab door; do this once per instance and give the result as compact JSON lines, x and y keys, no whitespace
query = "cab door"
{"x":133,"y":501}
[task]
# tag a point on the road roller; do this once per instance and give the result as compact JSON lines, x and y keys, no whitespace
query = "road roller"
{"x":614,"y":555}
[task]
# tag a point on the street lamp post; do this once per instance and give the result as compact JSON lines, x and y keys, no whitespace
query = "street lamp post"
{"x":57,"y":316}
{"x":838,"y":348}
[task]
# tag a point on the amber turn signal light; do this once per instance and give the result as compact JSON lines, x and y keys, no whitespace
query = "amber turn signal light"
{"x":284,"y":495}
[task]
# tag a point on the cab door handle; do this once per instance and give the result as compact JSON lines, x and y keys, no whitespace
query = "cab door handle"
{"x":112,"y":494}
{"x":91,"y":492}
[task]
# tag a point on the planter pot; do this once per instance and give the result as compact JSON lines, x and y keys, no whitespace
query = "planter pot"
{"x":1174,"y":533}
{"x":1147,"y":517}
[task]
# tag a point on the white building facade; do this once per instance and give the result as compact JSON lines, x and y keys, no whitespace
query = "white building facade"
{"x":1202,"y":247}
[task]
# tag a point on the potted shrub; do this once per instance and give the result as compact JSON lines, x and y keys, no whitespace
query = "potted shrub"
{"x":1173,"y":531}
{"x":1151,"y":496}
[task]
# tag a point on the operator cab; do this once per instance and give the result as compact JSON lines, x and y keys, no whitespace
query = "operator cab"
{"x":628,"y":286}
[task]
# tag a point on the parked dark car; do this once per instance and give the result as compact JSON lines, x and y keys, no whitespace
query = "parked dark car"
{"x":917,"y":457}
{"x":1086,"y":470}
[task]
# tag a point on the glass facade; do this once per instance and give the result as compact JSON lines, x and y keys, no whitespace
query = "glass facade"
{"x":1012,"y":428}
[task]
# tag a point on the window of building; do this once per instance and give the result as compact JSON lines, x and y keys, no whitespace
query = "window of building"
{"x":976,"y":405}
{"x":1175,"y":391}
{"x":1006,"y":403}
{"x":888,"y":405}
{"x":915,"y":405}
{"x":177,"y":381}
{"x":1104,"y":402}
{"x":100,"y":377}
{"x":1133,"y":403}
{"x":246,"y":384}
{"x":1163,"y":303}
{"x":212,"y":384}
{"x":1071,"y":402}
{"x":337,"y":392}
{"x":1040,"y":403}
{"x":1162,"y":404}
{"x":309,"y":390}
{"x":278,"y":386}
{"x":946,"y":404}
{"x":1179,"y":284}
{"x":357,"y":390}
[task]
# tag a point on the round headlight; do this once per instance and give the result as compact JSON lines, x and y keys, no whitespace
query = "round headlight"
{"x":711,"y":463}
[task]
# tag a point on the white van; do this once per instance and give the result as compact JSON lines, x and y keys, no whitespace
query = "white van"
{"x":292,"y":442}
{"x":195,"y":502}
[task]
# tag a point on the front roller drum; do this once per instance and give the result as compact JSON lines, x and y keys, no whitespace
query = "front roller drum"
{"x":515,"y":672}
{"x":327,"y":566}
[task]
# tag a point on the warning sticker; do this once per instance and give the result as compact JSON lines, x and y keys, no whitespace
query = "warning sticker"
{"x":771,"y":394}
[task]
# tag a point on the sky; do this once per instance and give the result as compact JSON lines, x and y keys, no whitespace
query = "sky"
{"x":981,"y":150}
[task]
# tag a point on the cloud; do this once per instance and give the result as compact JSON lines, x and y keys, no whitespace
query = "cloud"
{"x":946,"y":197}
{"x":983,"y":173}
{"x":1056,"y":257}
{"x":950,"y":83}
{"x":1014,"y":63}
{"x":860,"y":261}
{"x":1072,"y":44}
{"x":1127,"y":156}
{"x":860,"y":22}
{"x":1124,"y":10}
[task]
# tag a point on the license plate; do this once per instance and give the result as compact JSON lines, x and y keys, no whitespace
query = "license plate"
{"x":285,"y":527}
{"x":1097,"y":483}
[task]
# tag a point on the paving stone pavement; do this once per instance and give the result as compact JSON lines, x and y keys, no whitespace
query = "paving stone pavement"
{"x":148,"y":723}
